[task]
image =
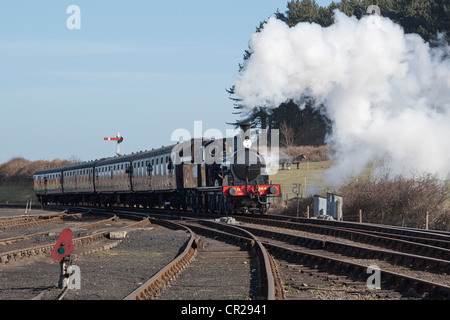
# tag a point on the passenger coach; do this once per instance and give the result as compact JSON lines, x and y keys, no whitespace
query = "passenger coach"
{"x":167,"y":176}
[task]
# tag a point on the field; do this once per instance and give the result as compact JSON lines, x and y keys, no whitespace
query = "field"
{"x":17,"y":192}
{"x":16,"y":178}
{"x":309,"y":175}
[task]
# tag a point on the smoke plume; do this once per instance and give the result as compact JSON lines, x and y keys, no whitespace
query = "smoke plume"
{"x":386,"y":93}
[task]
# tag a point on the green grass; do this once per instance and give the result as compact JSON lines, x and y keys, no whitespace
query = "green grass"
{"x":20,"y":192}
{"x":311,"y":172}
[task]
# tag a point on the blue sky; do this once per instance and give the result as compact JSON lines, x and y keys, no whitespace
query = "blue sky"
{"x":141,"y":68}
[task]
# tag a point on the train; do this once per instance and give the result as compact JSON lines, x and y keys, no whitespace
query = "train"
{"x":206,"y":175}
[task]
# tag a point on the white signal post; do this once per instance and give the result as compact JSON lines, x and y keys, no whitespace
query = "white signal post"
{"x":119,"y":139}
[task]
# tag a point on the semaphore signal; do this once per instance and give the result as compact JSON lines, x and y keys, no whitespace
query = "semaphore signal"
{"x":119,"y":139}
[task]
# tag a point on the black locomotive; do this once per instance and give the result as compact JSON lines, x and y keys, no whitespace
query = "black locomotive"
{"x":202,"y":175}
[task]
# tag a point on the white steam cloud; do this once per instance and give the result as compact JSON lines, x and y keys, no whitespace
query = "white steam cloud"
{"x":387,"y":93}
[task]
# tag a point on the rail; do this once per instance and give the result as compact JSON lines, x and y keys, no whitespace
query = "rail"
{"x":158,"y":282}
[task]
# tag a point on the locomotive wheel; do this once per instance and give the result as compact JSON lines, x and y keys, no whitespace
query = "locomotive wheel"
{"x":219,"y":205}
{"x":210,"y":204}
{"x":228,"y":206}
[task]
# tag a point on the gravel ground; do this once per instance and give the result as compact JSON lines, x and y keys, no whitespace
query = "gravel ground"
{"x":49,"y":233}
{"x":110,"y":274}
{"x":9,"y":213}
{"x":303,"y":283}
{"x":220,"y":271}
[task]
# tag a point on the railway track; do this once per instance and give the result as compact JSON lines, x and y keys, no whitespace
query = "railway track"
{"x":19,"y":261}
{"x":424,"y":275}
{"x":15,"y":249}
{"x":31,"y":221}
{"x":429,"y":237}
{"x":285,"y":259}
{"x":150,"y":289}
{"x":222,"y":252}
{"x":154,"y":286}
{"x":368,"y":238}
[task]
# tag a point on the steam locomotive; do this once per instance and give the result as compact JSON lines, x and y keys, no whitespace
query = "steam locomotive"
{"x":202,"y":175}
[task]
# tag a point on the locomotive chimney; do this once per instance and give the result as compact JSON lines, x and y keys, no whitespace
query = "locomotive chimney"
{"x":244,"y":127}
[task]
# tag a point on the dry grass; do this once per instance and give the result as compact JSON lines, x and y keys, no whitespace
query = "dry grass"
{"x":312,"y":153}
{"x":399,"y":200}
{"x":16,"y":178}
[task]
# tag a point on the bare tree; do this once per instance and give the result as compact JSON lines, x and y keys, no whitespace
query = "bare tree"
{"x":286,"y":135}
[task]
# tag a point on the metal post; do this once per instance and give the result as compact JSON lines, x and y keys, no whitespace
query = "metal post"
{"x":64,"y":275}
{"x":304,"y":188}
{"x":118,"y":145}
{"x":426,"y":221}
{"x":307,"y":212}
{"x":360,"y":216}
{"x":339,"y":213}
